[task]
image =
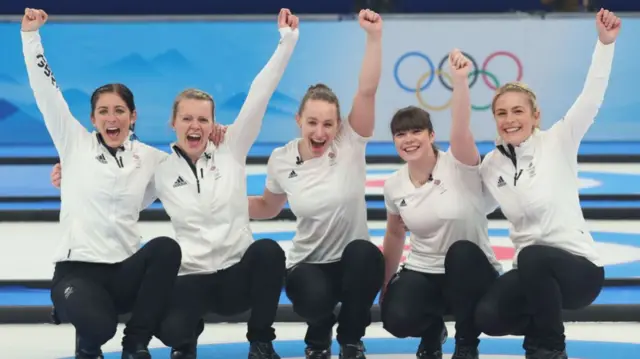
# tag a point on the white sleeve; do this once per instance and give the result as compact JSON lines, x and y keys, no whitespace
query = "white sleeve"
{"x":64,"y":129}
{"x":150,"y":194}
{"x":468,"y":176}
{"x":575,"y":124}
{"x":245,"y":129}
{"x":351,"y":136}
{"x":272,"y":183}
{"x":388,"y":199}
{"x":490,"y":203}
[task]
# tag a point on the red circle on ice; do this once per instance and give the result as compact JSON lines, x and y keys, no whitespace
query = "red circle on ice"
{"x":502,"y":253}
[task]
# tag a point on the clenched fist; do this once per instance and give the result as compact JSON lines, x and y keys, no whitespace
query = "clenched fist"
{"x":608,"y":25}
{"x":460,"y":65}
{"x":287,"y":19}
{"x":370,"y":21}
{"x":33,"y":19}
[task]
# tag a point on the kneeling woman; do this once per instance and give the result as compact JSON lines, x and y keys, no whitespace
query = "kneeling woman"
{"x":203,"y":189}
{"x":100,"y":269}
{"x":533,"y":176}
{"x":323,"y":177}
{"x":439,"y":197}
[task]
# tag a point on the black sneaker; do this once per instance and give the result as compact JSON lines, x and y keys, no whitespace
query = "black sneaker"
{"x":352,"y":351}
{"x":424,"y":353}
{"x":136,"y":352}
{"x":189,"y":351}
{"x":317,"y":353}
{"x":83,"y":355}
{"x":259,"y":350}
{"x":540,"y":353}
{"x":183,"y":354}
{"x":85,"y":350}
{"x":465,"y":352}
{"x":429,"y":354}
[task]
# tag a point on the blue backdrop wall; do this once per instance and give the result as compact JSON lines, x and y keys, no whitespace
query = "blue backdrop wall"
{"x":159,"y":59}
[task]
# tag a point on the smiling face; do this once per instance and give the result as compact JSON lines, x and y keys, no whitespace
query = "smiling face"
{"x":113,"y":113}
{"x":413,"y":134}
{"x":319,"y":125}
{"x":193,"y":118}
{"x":516,"y":113}
{"x":318,"y":119}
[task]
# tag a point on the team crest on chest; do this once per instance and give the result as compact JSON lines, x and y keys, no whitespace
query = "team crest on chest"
{"x":136,"y":161}
{"x":531,"y":170}
{"x":332,"y":158}
{"x":437,"y":184}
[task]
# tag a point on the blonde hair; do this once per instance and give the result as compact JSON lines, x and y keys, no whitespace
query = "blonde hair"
{"x":193,"y":94}
{"x":518,"y":87}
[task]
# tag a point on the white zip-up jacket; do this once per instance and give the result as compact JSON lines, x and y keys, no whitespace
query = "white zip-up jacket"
{"x":207,"y":201}
{"x":102,"y":193}
{"x":536,"y":184}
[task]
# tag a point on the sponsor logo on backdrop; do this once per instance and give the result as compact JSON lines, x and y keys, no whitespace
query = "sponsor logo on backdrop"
{"x":429,"y":74}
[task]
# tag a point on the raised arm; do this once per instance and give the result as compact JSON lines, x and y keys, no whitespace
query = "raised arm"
{"x":582,"y":113}
{"x":245,"y":129}
{"x":463,"y":146}
{"x":62,"y":126}
{"x":362,"y":116}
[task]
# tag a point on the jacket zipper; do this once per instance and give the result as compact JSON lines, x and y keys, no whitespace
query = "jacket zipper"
{"x":512,"y":156}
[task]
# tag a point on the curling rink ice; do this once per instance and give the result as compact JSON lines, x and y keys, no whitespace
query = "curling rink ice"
{"x":27,"y":248}
{"x":226,"y":341}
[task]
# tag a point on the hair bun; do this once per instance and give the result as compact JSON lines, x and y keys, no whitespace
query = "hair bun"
{"x":319,"y":86}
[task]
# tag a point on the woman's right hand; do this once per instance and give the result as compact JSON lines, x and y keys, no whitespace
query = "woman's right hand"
{"x":287,"y":19}
{"x":33,"y":19}
{"x":217,"y":135}
{"x":56,"y":175}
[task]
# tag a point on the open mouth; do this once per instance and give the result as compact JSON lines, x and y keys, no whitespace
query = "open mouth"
{"x":317,"y":145}
{"x":194,"y":139}
{"x":113,"y":133}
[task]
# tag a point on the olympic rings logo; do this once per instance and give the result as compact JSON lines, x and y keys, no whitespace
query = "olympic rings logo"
{"x":426,"y":79}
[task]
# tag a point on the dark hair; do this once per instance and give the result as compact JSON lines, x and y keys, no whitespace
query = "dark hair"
{"x":320,"y":92}
{"x":412,"y":118}
{"x":119,"y":89}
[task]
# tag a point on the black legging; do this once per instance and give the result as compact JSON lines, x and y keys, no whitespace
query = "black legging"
{"x":414,"y":303}
{"x":253,"y":283}
{"x":316,"y":289}
{"x":529,"y":300}
{"x":91,"y":295}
